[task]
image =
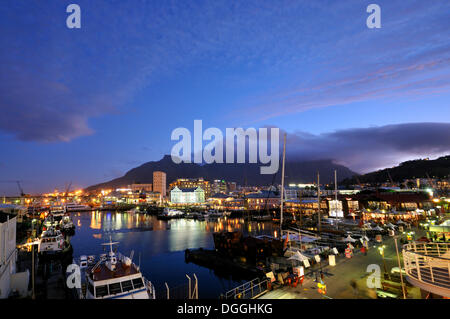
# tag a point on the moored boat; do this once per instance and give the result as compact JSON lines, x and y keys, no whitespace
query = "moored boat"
{"x":114,"y":277}
{"x":52,"y":244}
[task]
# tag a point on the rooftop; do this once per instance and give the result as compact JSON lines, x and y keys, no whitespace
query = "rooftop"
{"x":4,"y":217}
{"x":103,"y":272}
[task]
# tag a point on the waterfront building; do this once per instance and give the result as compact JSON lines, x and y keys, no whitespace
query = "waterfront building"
{"x":159,"y":183}
{"x":218,"y":186}
{"x":141,"y":187}
{"x":152,"y":197}
{"x":8,"y":253}
{"x":335,"y":208}
{"x":193,"y":183}
{"x":400,"y":200}
{"x":232,"y":186}
{"x":307,"y":206}
{"x":187,"y":195}
{"x":263,"y":200}
{"x":14,"y":209}
{"x":225,"y":202}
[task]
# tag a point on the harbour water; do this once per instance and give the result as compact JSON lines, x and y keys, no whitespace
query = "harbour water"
{"x":159,"y":245}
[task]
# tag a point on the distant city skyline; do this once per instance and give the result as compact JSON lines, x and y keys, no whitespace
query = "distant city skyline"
{"x":86,"y":105}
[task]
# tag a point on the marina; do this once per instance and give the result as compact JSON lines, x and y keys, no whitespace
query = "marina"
{"x":208,"y":158}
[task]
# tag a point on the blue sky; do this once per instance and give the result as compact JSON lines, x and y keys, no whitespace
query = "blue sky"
{"x":87,"y":105}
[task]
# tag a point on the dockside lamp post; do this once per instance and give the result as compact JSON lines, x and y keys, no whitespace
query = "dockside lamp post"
{"x":381,"y":250}
{"x":400,"y":267}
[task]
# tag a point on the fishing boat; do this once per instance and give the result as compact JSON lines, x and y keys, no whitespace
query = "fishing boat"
{"x":66,"y":224}
{"x":52,"y":244}
{"x":114,"y":276}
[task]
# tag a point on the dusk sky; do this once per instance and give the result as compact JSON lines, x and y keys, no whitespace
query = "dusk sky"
{"x":86,"y":105}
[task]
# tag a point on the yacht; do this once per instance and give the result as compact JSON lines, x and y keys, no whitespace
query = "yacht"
{"x":169,"y":213}
{"x":113,"y":277}
{"x":74,"y":207}
{"x":57,"y":211}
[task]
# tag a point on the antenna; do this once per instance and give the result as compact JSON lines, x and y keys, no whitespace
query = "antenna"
{"x":110,"y":244}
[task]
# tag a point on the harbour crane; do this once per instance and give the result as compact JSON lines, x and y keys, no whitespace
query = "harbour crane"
{"x":67,"y":190}
{"x":22,"y":193}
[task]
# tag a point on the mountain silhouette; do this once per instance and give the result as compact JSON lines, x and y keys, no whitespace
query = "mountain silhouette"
{"x":243,"y":174}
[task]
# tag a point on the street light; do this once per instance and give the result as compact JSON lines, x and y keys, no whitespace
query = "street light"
{"x":400,"y":267}
{"x":381,"y":250}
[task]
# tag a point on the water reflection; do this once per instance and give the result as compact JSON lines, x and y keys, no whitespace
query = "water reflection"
{"x":160,"y":244}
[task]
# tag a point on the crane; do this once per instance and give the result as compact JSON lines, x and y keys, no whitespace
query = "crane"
{"x":22,"y":193}
{"x":67,"y":190}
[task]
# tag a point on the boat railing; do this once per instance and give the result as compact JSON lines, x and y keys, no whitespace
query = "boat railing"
{"x":428,"y":265}
{"x":248,"y":290}
{"x":150,"y":288}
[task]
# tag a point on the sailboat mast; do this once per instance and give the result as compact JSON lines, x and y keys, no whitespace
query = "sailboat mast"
{"x":282,"y":185}
{"x":319,"y":226}
{"x":335,"y":187}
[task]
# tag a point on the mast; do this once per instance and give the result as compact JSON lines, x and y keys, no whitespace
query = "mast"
{"x":282,"y":185}
{"x":335,"y":187}
{"x":319,"y":227}
{"x":335,"y":197}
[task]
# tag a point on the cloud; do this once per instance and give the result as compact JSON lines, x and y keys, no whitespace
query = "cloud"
{"x":55,"y":80}
{"x":366,"y":149}
{"x":363,"y":65}
{"x":34,"y":109}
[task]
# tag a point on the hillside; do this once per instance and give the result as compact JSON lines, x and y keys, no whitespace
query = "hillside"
{"x":242,"y":174}
{"x":439,"y":168}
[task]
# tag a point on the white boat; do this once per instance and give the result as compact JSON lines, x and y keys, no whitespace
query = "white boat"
{"x":66,"y":223}
{"x":170,"y":213}
{"x":51,"y":242}
{"x":50,"y":221}
{"x":57,"y":211}
{"x":114,"y":277}
{"x":74,"y":207}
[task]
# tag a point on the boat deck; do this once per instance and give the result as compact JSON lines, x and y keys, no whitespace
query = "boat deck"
{"x":102,"y":272}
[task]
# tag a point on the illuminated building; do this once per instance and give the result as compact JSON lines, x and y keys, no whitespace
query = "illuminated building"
{"x":263,"y":200}
{"x":141,"y":187}
{"x":187,"y":195}
{"x":218,"y":186}
{"x":193,"y":183}
{"x":159,"y":183}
